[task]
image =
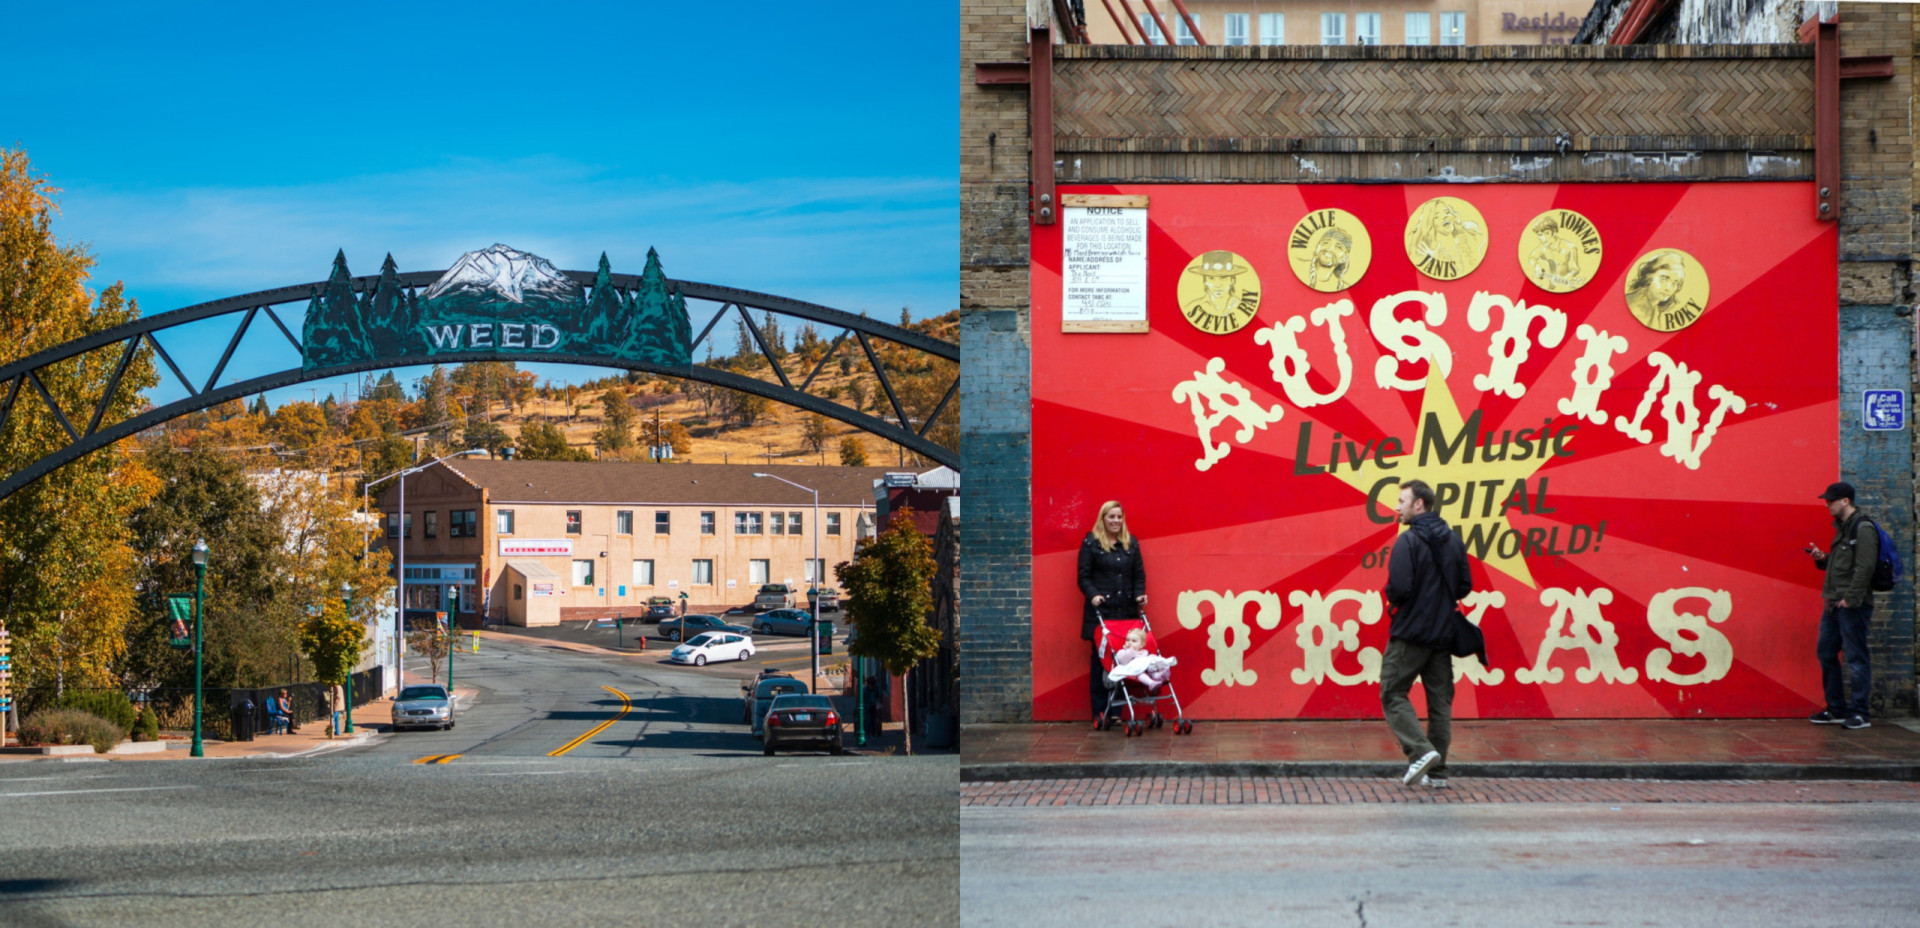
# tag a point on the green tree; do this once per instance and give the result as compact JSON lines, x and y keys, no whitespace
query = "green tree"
{"x":482,"y":433}
{"x":543,"y":441}
{"x":616,"y":434}
{"x":853,"y":453}
{"x":333,"y":643}
{"x":889,"y":586}
{"x":387,"y":387}
{"x":67,"y":560}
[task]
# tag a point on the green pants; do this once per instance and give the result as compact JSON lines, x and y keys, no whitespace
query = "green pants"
{"x":1404,"y":661}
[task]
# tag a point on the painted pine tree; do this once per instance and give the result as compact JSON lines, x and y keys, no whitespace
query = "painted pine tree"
{"x":333,"y":332}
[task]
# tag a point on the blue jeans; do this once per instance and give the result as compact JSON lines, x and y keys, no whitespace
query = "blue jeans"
{"x":1845,"y":630}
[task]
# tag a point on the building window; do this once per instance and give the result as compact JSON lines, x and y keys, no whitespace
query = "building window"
{"x":433,"y":524}
{"x":1151,"y":30}
{"x":779,"y":524}
{"x":706,"y":523}
{"x":1419,"y":28}
{"x":793,"y":523}
{"x":1181,"y":34}
{"x":758,"y":571}
{"x":1366,"y":28}
{"x":519,"y":592}
{"x":573,"y":521}
{"x":816,"y":569}
{"x":1273,"y":28}
{"x":463,"y":523}
{"x":393,"y":525}
{"x":833,"y":523}
{"x":1453,"y":28}
{"x":503,"y":521}
{"x":1333,"y":29}
{"x":643,"y":573}
{"x":623,"y":522}
{"x":748,"y":523}
{"x":703,"y":573}
{"x":1236,"y":28}
{"x":662,"y":522}
{"x":583,"y":573}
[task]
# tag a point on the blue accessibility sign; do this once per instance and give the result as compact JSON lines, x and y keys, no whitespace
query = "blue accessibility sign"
{"x":1883,"y":410}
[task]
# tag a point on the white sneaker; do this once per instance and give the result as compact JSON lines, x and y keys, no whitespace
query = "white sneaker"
{"x":1434,"y":782}
{"x":1419,"y":767}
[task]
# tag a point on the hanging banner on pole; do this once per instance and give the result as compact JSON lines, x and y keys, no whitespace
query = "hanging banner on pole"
{"x":180,"y":620}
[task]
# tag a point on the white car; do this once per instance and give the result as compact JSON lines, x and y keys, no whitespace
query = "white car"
{"x":713,"y":646}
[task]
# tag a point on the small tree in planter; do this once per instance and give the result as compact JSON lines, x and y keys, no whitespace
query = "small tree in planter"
{"x":889,"y":595}
{"x":432,"y":644}
{"x":334,"y":643}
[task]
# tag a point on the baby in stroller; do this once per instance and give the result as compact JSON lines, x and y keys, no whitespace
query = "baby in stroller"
{"x":1134,"y":660}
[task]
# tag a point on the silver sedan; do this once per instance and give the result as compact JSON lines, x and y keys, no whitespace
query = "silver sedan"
{"x":422,"y":706}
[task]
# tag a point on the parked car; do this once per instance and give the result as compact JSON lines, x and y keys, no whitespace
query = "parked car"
{"x":765,"y":693}
{"x":712,"y":646}
{"x":687,"y":626}
{"x":747,"y":686}
{"x":749,"y":610}
{"x":660,"y":607}
{"x":774,"y":595}
{"x":828,"y":596}
{"x":422,"y":706}
{"x":788,"y":622}
{"x":801,"y":720}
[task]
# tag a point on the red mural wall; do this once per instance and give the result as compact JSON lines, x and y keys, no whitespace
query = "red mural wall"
{"x":1625,"y":394}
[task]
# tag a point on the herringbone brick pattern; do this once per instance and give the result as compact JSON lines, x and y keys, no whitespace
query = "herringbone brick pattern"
{"x":1719,"y":103}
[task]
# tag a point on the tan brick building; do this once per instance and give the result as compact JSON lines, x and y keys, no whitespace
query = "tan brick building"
{"x":608,"y":535}
{"x":1342,"y":22}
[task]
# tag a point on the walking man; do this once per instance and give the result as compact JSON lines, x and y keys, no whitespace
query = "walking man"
{"x":1848,"y":593}
{"x":1426,"y":578}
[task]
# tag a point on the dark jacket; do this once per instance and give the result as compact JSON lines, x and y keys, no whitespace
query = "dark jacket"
{"x":1849,"y":566}
{"x":1421,"y":595}
{"x":1118,"y":575}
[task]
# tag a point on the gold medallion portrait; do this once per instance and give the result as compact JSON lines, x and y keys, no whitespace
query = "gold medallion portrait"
{"x":1446,"y":238}
{"x":1666,"y":290}
{"x":1560,"y":250}
{"x":1329,"y":250}
{"x":1219,"y":292}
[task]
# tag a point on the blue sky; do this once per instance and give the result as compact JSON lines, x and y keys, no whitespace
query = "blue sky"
{"x":786,"y":148}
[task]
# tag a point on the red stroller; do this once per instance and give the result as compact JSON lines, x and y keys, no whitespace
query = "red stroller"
{"x":1139,"y":698}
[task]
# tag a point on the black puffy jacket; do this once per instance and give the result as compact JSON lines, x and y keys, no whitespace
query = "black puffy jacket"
{"x":1422,"y":596}
{"x":1119,"y":575}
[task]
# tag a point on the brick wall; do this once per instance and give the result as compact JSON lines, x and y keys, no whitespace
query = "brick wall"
{"x":995,"y":645}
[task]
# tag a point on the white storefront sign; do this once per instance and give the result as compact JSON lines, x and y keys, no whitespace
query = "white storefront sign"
{"x":536,"y":547}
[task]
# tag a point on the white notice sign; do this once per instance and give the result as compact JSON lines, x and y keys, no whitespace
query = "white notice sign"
{"x":1103,"y":266}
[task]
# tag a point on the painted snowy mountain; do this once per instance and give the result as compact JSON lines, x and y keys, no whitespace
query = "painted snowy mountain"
{"x":501,"y":273}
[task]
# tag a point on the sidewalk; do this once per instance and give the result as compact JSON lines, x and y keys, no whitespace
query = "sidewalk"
{"x":1605,"y":748}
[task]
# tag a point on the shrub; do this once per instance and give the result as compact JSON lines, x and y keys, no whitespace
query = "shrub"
{"x":111,"y":705}
{"x":147,"y":726}
{"x":70,"y":726}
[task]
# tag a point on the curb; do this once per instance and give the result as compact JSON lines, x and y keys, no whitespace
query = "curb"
{"x":1591,"y":770}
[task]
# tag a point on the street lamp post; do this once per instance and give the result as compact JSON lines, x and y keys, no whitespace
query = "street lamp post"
{"x":813,"y":629}
{"x":453,"y":625}
{"x":199,"y":621}
{"x":346,"y":599}
{"x":400,"y":558}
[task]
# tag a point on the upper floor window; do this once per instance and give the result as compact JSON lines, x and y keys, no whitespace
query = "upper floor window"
{"x":793,"y":523}
{"x":1453,"y":28}
{"x":1273,"y":28}
{"x":1181,"y":34}
{"x":573,"y":521}
{"x":503,"y":521}
{"x":623,"y":522}
{"x":1366,"y":28}
{"x":1333,"y":29}
{"x":1236,"y":24}
{"x":1151,"y":30}
{"x":833,"y":523}
{"x":706,"y":523}
{"x":1420,"y":28}
{"x":463,"y":523}
{"x":433,"y":524}
{"x":663,"y":522}
{"x":393,"y":525}
{"x":779,"y":526}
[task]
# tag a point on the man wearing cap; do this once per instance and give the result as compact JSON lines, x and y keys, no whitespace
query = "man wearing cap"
{"x":1848,"y":593}
{"x":1220,"y":297}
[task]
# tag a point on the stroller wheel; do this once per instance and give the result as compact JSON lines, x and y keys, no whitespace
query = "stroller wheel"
{"x":1158,"y":720}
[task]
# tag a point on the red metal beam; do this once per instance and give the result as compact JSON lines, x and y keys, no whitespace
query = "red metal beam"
{"x":1640,"y":14}
{"x":1866,"y":67}
{"x":1117,"y":20}
{"x":1826,"y":121}
{"x":1191,"y":25}
{"x":1000,"y":72}
{"x":1135,"y":23}
{"x":1165,"y":33}
{"x":1045,"y":207}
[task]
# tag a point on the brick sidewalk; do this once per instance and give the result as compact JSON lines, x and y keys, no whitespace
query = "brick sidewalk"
{"x":1609,"y":748}
{"x":1350,"y":790}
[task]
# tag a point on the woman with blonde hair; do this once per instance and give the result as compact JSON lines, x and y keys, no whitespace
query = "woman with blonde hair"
{"x":1113,"y":580}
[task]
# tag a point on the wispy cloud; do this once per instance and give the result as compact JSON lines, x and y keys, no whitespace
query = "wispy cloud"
{"x":851,"y":243}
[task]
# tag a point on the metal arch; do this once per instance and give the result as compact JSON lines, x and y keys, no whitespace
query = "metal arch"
{"x":300,"y":292}
{"x":23,"y":373}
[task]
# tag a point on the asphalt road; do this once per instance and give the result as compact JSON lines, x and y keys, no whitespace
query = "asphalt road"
{"x":669,"y":813}
{"x":1383,"y":866}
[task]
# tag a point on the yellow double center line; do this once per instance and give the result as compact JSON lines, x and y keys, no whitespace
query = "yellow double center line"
{"x":626,"y":705}
{"x":437,"y":759}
